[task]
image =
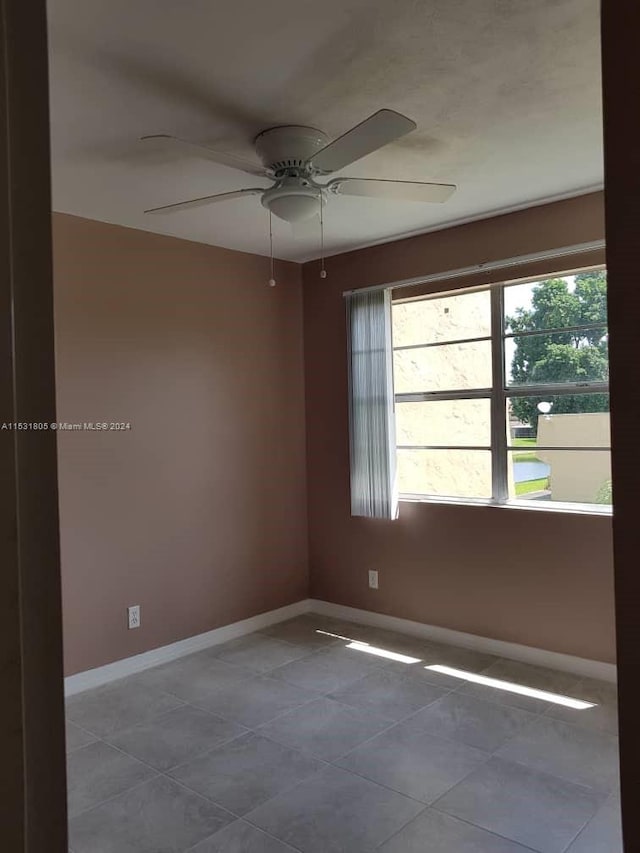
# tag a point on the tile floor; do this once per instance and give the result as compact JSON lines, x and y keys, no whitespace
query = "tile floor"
{"x":288,"y":740}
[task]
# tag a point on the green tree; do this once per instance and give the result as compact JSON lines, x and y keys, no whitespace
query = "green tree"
{"x":575,"y":356}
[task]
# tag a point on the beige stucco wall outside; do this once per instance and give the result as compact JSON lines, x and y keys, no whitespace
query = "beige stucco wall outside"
{"x":576,"y":475}
{"x":455,"y":473}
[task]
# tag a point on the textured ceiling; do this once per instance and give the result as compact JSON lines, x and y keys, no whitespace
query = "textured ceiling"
{"x":506,"y":95}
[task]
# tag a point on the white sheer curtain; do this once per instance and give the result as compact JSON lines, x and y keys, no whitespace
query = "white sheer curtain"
{"x":371,"y":409}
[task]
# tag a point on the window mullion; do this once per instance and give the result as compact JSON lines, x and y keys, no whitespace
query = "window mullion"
{"x":500,"y":487}
{"x":439,"y":396}
{"x":559,"y":389}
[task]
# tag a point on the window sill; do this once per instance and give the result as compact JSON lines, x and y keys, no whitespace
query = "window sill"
{"x":530,"y":505}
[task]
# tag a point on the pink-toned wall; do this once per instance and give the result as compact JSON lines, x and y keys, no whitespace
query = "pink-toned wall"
{"x":198,"y":512}
{"x":536,"y":578}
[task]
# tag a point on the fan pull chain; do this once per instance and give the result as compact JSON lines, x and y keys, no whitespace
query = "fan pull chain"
{"x":272,"y":281}
{"x":323,"y":272}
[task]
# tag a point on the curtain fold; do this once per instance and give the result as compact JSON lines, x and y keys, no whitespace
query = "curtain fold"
{"x":371,"y":405}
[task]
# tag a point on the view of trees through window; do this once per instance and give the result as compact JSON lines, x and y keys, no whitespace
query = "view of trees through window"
{"x":552,"y":444}
{"x":579,"y":354}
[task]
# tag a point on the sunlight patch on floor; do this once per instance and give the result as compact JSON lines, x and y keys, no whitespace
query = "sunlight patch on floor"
{"x":382,"y":653}
{"x":512,"y":687}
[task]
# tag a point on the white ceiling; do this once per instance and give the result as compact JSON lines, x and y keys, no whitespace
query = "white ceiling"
{"x":506,"y":95}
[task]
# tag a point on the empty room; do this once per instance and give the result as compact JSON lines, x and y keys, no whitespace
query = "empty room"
{"x":333,"y":370}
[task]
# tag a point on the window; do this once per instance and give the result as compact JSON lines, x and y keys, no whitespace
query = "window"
{"x":501,"y":394}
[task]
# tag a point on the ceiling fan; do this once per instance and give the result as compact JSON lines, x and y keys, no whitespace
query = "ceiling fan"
{"x":293,"y":157}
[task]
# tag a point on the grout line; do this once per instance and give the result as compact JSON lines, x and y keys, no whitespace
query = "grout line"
{"x":155,"y":716}
{"x":285,"y":844}
{"x":167,"y":771}
{"x":279,"y":793}
{"x":403,"y":827}
{"x":82,"y":745}
{"x":191,"y":758}
{"x":163,"y":714}
{"x":351,"y":772}
{"x":469,"y":823}
{"x":114,"y":797}
{"x":252,"y":728}
{"x":603,"y":792}
{"x":201,"y":796}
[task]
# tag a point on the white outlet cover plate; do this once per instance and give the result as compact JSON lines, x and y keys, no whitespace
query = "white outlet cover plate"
{"x":133,"y":614}
{"x":373,"y":579}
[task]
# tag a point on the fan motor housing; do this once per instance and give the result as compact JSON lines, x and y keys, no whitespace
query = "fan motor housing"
{"x":289,"y":147}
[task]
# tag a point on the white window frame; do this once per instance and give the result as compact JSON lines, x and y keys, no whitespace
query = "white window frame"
{"x":498,"y":395}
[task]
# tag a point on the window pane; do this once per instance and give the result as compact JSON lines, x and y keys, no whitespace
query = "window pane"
{"x":449,"y":422}
{"x":445,"y":473}
{"x":561,"y":357}
{"x":559,"y":420}
{"x":556,"y":302}
{"x":443,"y":368}
{"x":574,"y":476}
{"x":449,"y":318}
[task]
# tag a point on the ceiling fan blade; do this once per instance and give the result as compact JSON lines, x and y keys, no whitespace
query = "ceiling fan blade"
{"x":374,"y":132}
{"x":207,"y":199}
{"x":402,"y":190}
{"x":194,"y":149}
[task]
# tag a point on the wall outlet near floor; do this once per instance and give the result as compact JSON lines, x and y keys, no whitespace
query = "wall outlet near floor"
{"x":373,"y":579}
{"x":133,"y":614}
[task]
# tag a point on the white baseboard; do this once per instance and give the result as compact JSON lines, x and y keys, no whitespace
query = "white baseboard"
{"x":540,"y":657}
{"x":129,"y":666}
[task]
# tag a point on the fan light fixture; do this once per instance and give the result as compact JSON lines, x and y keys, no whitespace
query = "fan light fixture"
{"x":294,"y":201}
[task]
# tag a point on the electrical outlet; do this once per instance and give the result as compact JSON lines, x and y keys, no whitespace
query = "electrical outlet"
{"x":373,"y":579}
{"x":134,"y":616}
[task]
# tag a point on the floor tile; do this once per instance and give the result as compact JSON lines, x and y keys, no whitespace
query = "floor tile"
{"x":241,"y":837}
{"x":526,"y":675}
{"x":259,"y":653}
{"x":328,"y":670}
{"x":602,"y":717}
{"x":532,"y":808}
{"x":75,"y":736}
{"x":308,"y":631}
{"x":174,"y":738}
{"x":335,"y":812}
{"x":413,"y":746}
{"x":603,"y":833}
{"x":118,"y":706}
{"x":413,"y":763}
{"x":325,"y":728}
{"x":194,"y":677}
{"x":97,"y":772}
{"x":256,"y":700}
{"x":244,"y":773}
{"x":156,"y":817}
{"x":389,"y":694}
{"x":434,"y":832}
{"x":579,"y":755}
{"x":475,"y":722}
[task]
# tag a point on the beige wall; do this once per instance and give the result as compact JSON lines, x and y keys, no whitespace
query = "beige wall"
{"x":576,"y":475}
{"x":456,"y":473}
{"x":525,"y":576}
{"x":198,"y":512}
